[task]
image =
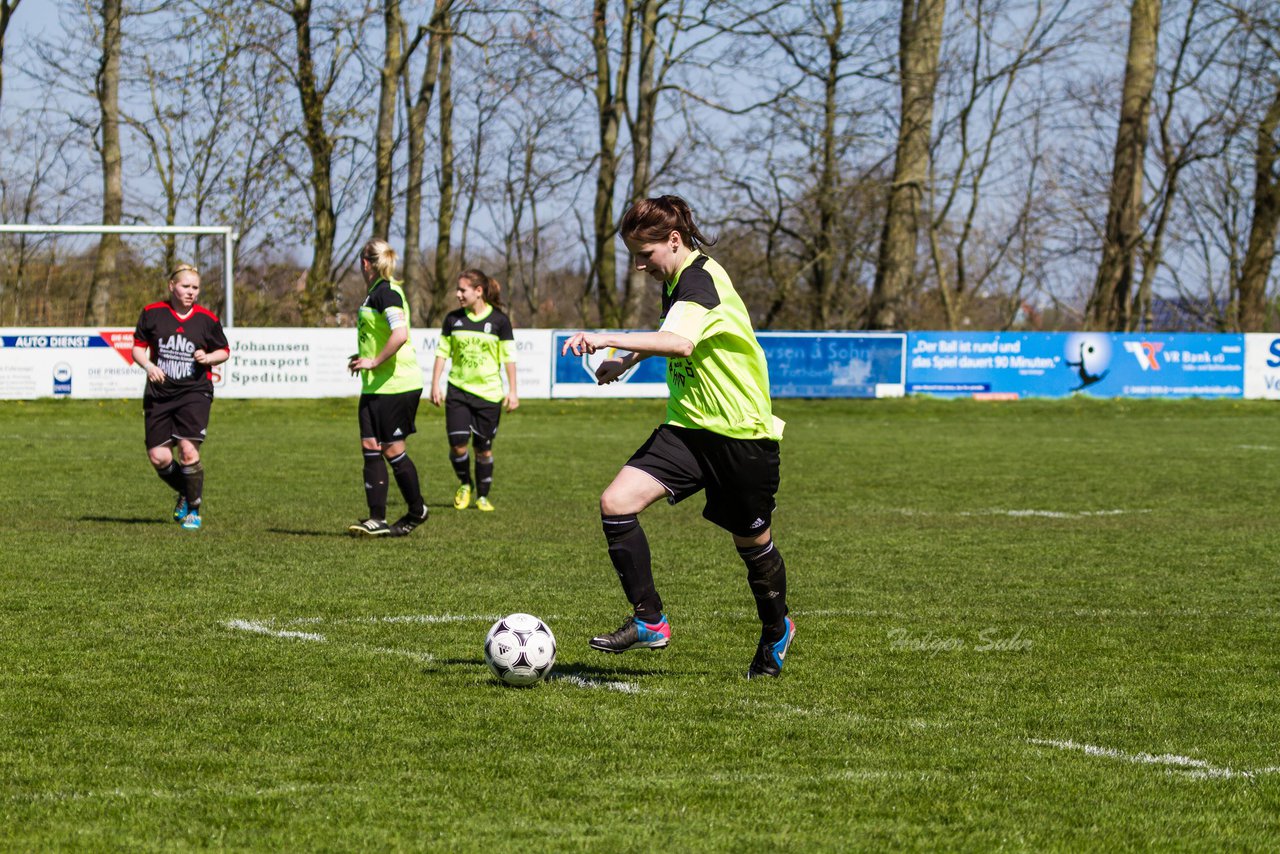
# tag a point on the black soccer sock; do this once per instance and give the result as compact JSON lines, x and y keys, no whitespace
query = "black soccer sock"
{"x":767,"y":577}
{"x":375,"y":484}
{"x":406,"y":474}
{"x":172,"y":475}
{"x":193,"y":484}
{"x":484,"y":475}
{"x":629,"y":551}
{"x":462,"y":466}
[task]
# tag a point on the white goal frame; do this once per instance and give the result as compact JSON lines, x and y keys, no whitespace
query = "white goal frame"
{"x":228,"y":234}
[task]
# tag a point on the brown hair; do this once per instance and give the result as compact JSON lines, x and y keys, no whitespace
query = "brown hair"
{"x":379,"y":253}
{"x":489,"y":287}
{"x":180,"y":269}
{"x":652,"y":220}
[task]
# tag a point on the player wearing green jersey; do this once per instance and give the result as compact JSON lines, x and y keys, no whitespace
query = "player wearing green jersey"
{"x":391,"y":386}
{"x":479,"y":340}
{"x":720,"y":434}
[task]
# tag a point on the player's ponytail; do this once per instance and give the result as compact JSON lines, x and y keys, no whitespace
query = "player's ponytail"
{"x":652,"y":220}
{"x":489,"y":287}
{"x":381,"y":257}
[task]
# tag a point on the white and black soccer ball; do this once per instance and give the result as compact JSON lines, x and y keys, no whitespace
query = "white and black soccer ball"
{"x":520,"y":649}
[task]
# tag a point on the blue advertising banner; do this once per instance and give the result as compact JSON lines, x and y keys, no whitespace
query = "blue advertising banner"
{"x":801,"y":364}
{"x":1060,"y":364}
{"x":835,"y":364}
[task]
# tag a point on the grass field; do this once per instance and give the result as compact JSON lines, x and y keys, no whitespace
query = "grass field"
{"x":1020,"y":625}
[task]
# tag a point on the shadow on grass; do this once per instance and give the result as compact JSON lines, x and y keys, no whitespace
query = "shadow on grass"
{"x":126,"y":520}
{"x":563,"y":669}
{"x":298,"y":532}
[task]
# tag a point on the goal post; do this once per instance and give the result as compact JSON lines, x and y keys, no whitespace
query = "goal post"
{"x":228,"y":234}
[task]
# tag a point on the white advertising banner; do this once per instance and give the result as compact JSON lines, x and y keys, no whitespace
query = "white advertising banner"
{"x":1262,"y":365}
{"x":264,"y":363}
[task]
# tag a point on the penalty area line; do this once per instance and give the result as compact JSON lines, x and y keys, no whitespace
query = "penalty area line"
{"x":1194,"y":768}
{"x":403,"y":618}
{"x":583,"y":682}
{"x":258,"y":628}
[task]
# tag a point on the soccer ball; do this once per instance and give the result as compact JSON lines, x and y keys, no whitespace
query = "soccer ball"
{"x":520,"y":649}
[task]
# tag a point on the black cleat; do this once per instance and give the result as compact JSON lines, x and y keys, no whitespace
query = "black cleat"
{"x":406,"y":523}
{"x":369,"y":528}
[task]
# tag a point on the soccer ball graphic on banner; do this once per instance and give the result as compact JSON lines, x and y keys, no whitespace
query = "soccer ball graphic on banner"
{"x":520,"y":649}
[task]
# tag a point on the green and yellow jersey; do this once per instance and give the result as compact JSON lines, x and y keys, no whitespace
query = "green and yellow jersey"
{"x":479,"y":346}
{"x":723,"y":386}
{"x":385,"y":308}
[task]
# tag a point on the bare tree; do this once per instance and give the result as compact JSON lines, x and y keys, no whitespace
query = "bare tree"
{"x":392,"y":60}
{"x":322,"y":47}
{"x":1195,"y":121}
{"x":919,"y":41}
{"x":1264,"y":226}
{"x":445,"y":213}
{"x":1110,"y":304}
{"x":419,"y":108}
{"x":1000,"y":47}
{"x":107,"y":89}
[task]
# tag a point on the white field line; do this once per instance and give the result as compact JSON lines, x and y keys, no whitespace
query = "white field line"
{"x":1195,"y":768}
{"x":170,"y":794}
{"x":1255,"y":447}
{"x":994,"y":511}
{"x":420,"y":657}
{"x":404,"y":618}
{"x":264,"y":629}
{"x":260,"y":628}
{"x":583,"y":682}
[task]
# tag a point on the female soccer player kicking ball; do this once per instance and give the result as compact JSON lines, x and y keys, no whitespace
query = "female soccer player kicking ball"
{"x":720,"y":433}
{"x":176,"y":342}
{"x":479,"y":339}
{"x":391,"y":386}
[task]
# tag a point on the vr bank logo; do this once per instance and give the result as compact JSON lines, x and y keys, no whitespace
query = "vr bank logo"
{"x":1145,"y":352}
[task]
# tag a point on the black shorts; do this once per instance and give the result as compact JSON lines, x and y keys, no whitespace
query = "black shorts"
{"x":185,"y":416}
{"x":739,"y":475}
{"x":467,"y":415}
{"x":389,"y":417}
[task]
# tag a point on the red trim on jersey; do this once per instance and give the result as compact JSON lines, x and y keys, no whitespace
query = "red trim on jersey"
{"x":195,"y":309}
{"x":202,"y":310}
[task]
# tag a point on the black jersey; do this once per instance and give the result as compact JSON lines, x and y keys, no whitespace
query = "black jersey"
{"x":172,"y":340}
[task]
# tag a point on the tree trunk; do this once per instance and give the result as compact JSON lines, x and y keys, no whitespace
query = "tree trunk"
{"x":828,"y":190}
{"x":1266,"y":220}
{"x":320,"y":299}
{"x":385,"y":138}
{"x":7,"y":8}
{"x":920,"y":43}
{"x":642,"y":129}
{"x":444,"y":221}
{"x":108,"y":94}
{"x":1110,"y":305}
{"x":607,"y":109}
{"x":420,"y":108}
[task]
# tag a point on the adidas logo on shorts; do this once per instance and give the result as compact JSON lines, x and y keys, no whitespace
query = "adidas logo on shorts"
{"x":756,"y":524}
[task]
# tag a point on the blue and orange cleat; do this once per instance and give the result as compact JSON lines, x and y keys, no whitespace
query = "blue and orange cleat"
{"x":634,"y":634}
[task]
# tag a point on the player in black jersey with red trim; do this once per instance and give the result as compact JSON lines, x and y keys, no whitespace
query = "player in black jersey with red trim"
{"x":176,"y":342}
